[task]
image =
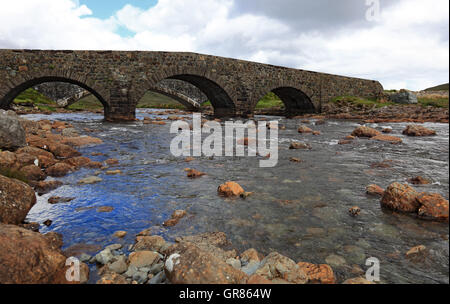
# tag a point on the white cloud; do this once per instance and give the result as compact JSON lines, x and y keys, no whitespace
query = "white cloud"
{"x":407,"y":48}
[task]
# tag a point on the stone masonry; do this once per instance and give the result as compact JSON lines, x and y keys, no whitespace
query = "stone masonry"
{"x":119,"y":79}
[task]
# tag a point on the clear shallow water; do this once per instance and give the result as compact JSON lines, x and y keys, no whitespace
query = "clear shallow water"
{"x":299,"y":210}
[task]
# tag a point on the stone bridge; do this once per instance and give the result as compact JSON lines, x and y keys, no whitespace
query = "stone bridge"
{"x":119,"y":79}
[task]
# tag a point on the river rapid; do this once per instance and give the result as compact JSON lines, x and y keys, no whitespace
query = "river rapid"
{"x":297,"y":209}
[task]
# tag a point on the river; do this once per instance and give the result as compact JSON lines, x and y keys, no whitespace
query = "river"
{"x":297,"y":209}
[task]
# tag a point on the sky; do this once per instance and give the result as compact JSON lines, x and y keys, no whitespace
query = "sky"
{"x":401,"y":43}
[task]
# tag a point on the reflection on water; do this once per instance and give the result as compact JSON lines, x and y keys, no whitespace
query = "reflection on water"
{"x":298,"y":209}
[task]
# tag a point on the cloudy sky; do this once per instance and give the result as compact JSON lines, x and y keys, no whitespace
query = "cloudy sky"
{"x":404,"y":44}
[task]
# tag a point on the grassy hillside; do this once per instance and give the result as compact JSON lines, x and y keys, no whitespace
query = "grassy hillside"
{"x":442,"y":87}
{"x":156,"y":100}
{"x":32,"y":98}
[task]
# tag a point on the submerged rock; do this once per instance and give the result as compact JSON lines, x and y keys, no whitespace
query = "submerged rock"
{"x":417,"y":130}
{"x":230,"y":189}
{"x":419,"y":180}
{"x":318,"y":274}
{"x":90,"y":180}
{"x":432,"y":206}
{"x":374,"y":190}
{"x":364,"y":131}
{"x":295,"y":145}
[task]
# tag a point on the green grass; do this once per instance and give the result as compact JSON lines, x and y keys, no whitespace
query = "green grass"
{"x":270,"y":101}
{"x":153,"y":100}
{"x":438,"y":102}
{"x":361,"y":101}
{"x":13,"y":174}
{"x":442,"y":87}
{"x":87,"y":103}
{"x":32,"y":97}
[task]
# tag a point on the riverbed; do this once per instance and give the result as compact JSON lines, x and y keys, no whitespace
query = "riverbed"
{"x":297,"y":209}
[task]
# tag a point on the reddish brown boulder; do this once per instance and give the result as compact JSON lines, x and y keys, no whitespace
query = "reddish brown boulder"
{"x":78,"y":162}
{"x":299,"y":145}
{"x":318,"y":274}
{"x":16,"y":199}
{"x":374,"y":190}
{"x":304,"y":129}
{"x":7,"y":159}
{"x":391,"y":139}
{"x":433,"y":206}
{"x":214,"y":243}
{"x":46,"y":186}
{"x":230,"y":189}
{"x":188,"y":264}
{"x":152,"y":243}
{"x":258,"y":280}
{"x":63,"y":151}
{"x":364,"y":131}
{"x":112,"y":161}
{"x":59,"y":170}
{"x":35,"y":151}
{"x":79,"y":141}
{"x":416,"y":130}
{"x":25,"y":159}
{"x":45,"y":162}
{"x":112,"y":278}
{"x":192,"y":173}
{"x":33,"y":172}
{"x":29,"y":257}
{"x":400,"y":198}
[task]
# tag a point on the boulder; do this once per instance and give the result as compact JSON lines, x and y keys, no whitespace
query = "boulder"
{"x":12,"y":134}
{"x":400,"y":197}
{"x":43,"y":187}
{"x":280,"y":269}
{"x":388,"y":138}
{"x":364,"y":131}
{"x":149,"y":243}
{"x":188,"y":264}
{"x":16,"y":199}
{"x":78,"y":162}
{"x":404,"y":97}
{"x":59,"y":170}
{"x":215,"y":243}
{"x":192,"y":173}
{"x":33,"y":172}
{"x":304,"y":129}
{"x":432,"y":206}
{"x":7,"y":159}
{"x":112,"y":278}
{"x":318,"y":274}
{"x":30,"y":258}
{"x":358,"y":281}
{"x":143,"y":258}
{"x":36,"y":152}
{"x":295,"y":145}
{"x":230,"y":189}
{"x":374,"y":190}
{"x":63,"y":151}
{"x":417,"y":130}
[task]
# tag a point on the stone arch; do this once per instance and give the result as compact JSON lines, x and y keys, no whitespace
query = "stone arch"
{"x":219,"y":91}
{"x":296,"y":99}
{"x":23,"y":81}
{"x":186,"y":101}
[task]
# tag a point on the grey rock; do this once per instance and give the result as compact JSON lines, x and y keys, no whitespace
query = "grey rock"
{"x":404,"y":97}
{"x":85,"y":258}
{"x":251,"y":267}
{"x":158,"y":278}
{"x":140,"y":277}
{"x":335,"y":260}
{"x":145,"y":269}
{"x":104,"y":257}
{"x":114,"y":247}
{"x":235,"y":263}
{"x":156,"y":268}
{"x":120,"y":265}
{"x":131,"y":271}
{"x":70,"y":132}
{"x":12,"y":134}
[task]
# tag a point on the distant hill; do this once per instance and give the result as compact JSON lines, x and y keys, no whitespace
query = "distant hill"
{"x":442,"y":87}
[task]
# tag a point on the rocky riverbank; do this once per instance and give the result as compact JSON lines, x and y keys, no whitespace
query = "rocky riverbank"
{"x":44,"y":150}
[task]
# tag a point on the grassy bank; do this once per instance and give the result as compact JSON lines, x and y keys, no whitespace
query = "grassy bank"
{"x":438,"y":102}
{"x":32,"y":98}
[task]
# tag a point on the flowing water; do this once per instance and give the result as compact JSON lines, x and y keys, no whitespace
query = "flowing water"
{"x":297,"y":209}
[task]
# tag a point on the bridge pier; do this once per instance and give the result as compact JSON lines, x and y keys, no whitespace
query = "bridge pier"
{"x":121,"y":106}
